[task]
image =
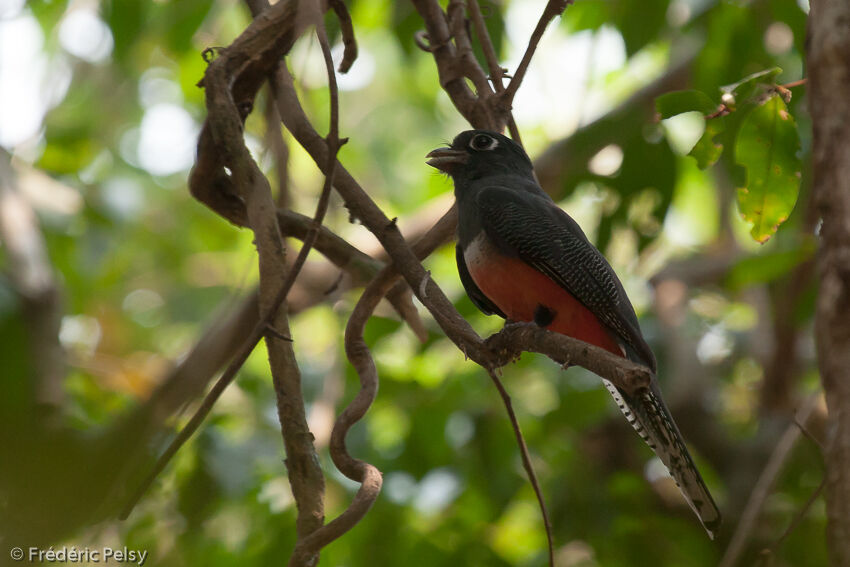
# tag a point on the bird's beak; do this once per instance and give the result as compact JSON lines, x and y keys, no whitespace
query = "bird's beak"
{"x":446,"y":159}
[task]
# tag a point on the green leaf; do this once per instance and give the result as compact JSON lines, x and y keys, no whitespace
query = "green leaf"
{"x":677,"y":102}
{"x":766,"y":146}
{"x":753,"y":89}
{"x":708,"y":150}
{"x":587,"y":15}
{"x":640,"y":23}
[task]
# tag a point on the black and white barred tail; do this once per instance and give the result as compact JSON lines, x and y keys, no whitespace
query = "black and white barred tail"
{"x":649,"y":416}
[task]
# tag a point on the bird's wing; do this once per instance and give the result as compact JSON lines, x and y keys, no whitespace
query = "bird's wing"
{"x":542,"y":235}
{"x":545,"y":237}
{"x":475,"y":294}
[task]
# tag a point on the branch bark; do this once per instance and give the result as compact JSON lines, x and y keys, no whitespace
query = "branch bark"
{"x":449,"y":67}
{"x":516,"y":338}
{"x":829,"y":82}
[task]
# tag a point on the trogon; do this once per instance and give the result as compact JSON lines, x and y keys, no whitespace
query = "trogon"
{"x":521,"y":257}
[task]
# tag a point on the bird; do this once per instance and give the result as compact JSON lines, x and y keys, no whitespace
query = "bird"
{"x":523,"y":258}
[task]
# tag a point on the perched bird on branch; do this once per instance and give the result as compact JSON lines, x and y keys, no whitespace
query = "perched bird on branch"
{"x":523,"y":258}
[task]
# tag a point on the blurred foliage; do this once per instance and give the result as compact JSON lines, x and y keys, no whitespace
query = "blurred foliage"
{"x":144,"y":270}
{"x":765,"y":139}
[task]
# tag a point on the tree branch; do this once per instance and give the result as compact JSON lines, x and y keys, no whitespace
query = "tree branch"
{"x":449,"y":66}
{"x":553,"y":8}
{"x":497,"y":72}
{"x":224,"y":126}
{"x":465,"y":55}
{"x":367,"y":475}
{"x":361,"y":359}
{"x":764,"y":485}
{"x":280,"y":153}
{"x":829,"y":81}
{"x":526,"y":463}
{"x":349,"y":54}
{"x":515,"y":338}
{"x":305,"y":474}
{"x":362,"y":207}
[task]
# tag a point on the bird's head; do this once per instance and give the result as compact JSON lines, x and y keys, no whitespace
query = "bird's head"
{"x":479,"y":153}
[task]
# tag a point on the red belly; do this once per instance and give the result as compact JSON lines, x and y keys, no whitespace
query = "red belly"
{"x":518,"y":289}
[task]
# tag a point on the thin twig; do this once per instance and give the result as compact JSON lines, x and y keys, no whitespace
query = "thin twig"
{"x":280,"y":153}
{"x":496,"y":70}
{"x":358,"y":470}
{"x":526,"y":463}
{"x":349,"y":54}
{"x":553,"y":8}
{"x":796,"y":83}
{"x":333,"y":135}
{"x":449,"y":68}
{"x":358,"y":354}
{"x":401,"y":296}
{"x":333,"y":142}
{"x":809,"y":435}
{"x":802,"y":512}
{"x":765,"y":483}
{"x":465,"y":54}
{"x":799,"y":516}
{"x":784,"y":91}
{"x":497,"y":73}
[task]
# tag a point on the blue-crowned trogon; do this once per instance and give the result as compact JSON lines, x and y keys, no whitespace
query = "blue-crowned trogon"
{"x":523,"y":258}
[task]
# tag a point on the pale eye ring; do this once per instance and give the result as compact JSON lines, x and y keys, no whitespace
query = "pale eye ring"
{"x":483,"y":142}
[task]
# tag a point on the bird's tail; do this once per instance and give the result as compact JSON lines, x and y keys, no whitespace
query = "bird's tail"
{"x":648,"y":414}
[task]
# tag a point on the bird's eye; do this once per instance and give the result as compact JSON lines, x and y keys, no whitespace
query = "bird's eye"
{"x":483,"y":142}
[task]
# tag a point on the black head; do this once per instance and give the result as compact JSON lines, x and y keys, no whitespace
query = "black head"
{"x":479,"y":153}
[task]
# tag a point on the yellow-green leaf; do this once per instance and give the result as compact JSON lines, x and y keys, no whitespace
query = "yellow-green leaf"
{"x":767,"y":146}
{"x":708,"y":148}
